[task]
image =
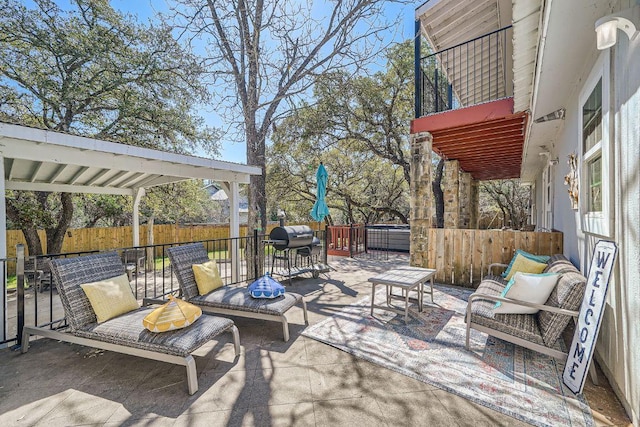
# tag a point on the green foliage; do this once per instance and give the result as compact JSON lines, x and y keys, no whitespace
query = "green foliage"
{"x":178,"y":203}
{"x":507,"y":200}
{"x":89,"y":70}
{"x":37,"y":210}
{"x":264,"y":55}
{"x":358,"y":127}
{"x":98,"y":210}
{"x":373,"y":112}
{"x":92,"y":71}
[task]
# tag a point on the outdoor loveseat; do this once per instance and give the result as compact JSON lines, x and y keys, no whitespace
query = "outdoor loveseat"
{"x":538,"y":331}
{"x":125,"y":333}
{"x":229,"y":300}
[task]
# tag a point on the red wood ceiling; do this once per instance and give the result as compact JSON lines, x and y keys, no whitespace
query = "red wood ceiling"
{"x":488,"y":149}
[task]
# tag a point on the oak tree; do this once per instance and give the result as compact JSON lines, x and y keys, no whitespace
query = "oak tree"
{"x":263,"y":56}
{"x":87,"y":69}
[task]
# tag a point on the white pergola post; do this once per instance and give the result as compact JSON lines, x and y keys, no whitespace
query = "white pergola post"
{"x":34,"y":159}
{"x":3,"y":246}
{"x":233,"y":193}
{"x":137,"y":195}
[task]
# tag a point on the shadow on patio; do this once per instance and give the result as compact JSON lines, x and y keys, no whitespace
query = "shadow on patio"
{"x":300,"y":382}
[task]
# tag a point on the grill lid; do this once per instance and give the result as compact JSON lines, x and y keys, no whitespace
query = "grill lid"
{"x":291,"y":236}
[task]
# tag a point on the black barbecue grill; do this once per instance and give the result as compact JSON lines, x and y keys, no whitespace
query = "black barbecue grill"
{"x":291,"y":243}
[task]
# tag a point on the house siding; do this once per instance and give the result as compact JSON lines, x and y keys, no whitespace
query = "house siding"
{"x":620,"y":334}
{"x":617,"y":349}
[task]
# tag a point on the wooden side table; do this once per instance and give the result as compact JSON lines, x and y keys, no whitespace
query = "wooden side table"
{"x":406,"y":278}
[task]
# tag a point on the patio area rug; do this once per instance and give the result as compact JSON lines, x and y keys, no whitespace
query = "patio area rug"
{"x":518,"y":382}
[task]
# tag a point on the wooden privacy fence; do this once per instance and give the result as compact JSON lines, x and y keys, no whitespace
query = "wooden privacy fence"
{"x":462,"y":256}
{"x":89,"y":239}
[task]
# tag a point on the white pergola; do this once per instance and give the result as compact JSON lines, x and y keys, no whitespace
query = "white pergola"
{"x":42,"y":160}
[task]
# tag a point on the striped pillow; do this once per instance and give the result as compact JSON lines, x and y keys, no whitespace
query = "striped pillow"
{"x":176,"y":314}
{"x":266,"y":287}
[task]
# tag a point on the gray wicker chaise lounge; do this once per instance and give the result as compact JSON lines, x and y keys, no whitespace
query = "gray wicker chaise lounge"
{"x":228,"y":300}
{"x":125,"y":333}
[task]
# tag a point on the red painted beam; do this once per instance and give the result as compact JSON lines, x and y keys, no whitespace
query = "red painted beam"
{"x":464,"y":116}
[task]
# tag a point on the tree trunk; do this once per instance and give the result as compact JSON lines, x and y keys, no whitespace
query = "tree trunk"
{"x":150,"y":250}
{"x":438,"y":195}
{"x":34,"y":244}
{"x":55,"y":235}
{"x":257,"y":188}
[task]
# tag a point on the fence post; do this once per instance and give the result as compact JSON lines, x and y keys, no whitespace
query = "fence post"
{"x":387,"y":246}
{"x":255,"y":253}
{"x":350,"y":240}
{"x":233,"y":247}
{"x":366,"y":240}
{"x":20,"y":285}
{"x":326,"y":244}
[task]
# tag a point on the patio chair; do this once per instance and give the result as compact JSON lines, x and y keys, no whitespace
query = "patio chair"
{"x":38,"y":274}
{"x":229,"y":300}
{"x":124,"y":333}
{"x":133,"y":260}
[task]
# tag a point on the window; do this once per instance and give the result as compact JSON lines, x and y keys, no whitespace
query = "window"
{"x":594,"y":136}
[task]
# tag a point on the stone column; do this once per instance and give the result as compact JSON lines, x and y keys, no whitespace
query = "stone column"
{"x":420,"y":214}
{"x":474,"y":204}
{"x":464,"y":197}
{"x":451,"y":194}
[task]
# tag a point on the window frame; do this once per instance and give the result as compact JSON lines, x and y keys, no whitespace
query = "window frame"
{"x":596,"y":222}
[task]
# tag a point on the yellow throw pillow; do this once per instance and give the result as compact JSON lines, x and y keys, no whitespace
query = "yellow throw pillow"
{"x":525,"y":265}
{"x":111,"y":297}
{"x":207,"y":277}
{"x":175,"y":314}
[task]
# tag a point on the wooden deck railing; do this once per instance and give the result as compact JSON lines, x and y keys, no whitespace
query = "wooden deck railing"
{"x":346,"y":240}
{"x":462,"y":257}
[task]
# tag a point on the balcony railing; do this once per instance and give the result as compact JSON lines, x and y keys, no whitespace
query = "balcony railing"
{"x":34,"y":300}
{"x":469,"y":73}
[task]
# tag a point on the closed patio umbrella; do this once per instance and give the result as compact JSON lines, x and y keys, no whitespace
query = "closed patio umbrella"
{"x":320,"y":208}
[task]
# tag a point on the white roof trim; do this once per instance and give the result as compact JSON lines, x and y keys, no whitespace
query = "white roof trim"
{"x":44,"y":160}
{"x":420,"y":10}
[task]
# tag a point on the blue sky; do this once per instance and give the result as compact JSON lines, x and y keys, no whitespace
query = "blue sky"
{"x":235,"y":151}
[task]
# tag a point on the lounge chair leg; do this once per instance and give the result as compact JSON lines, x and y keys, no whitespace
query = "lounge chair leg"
{"x":466,"y":343}
{"x":236,"y":339}
{"x":304,"y":311}
{"x":24,"y":346}
{"x":192,"y":375}
{"x":285,"y":328}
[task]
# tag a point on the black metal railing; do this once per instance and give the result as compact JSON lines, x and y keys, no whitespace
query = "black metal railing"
{"x":467,"y":74}
{"x":381,"y":240}
{"x":30,"y":297}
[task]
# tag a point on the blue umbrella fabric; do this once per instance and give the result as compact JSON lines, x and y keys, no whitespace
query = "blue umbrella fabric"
{"x":320,"y":208}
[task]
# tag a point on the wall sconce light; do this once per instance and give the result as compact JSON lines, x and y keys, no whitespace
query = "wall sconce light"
{"x":551,"y":161}
{"x":607,"y":27}
{"x":558,"y":114}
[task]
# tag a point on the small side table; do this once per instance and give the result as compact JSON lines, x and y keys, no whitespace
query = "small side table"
{"x":406,"y":278}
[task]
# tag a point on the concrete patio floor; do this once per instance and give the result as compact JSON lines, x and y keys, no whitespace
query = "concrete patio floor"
{"x":301,"y":382}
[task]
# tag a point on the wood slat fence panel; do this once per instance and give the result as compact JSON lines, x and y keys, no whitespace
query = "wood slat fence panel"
{"x":462,"y":256}
{"x":103,"y":238}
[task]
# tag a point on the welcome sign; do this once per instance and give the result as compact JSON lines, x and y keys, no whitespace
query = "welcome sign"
{"x":590,"y":317}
